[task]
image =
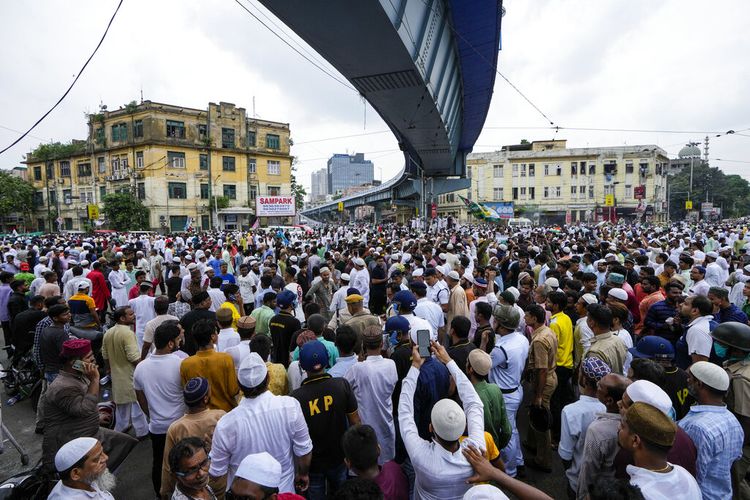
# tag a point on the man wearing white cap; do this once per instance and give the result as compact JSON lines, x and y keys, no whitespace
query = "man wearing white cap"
{"x":713,"y":270}
{"x":262,"y":422}
{"x":82,"y":465}
{"x":715,"y":431}
{"x":457,"y":303}
{"x":440,"y":470}
{"x":360,"y":278}
{"x":259,"y":476}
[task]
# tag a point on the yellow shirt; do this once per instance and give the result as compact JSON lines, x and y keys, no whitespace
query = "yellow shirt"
{"x":235,"y":313}
{"x":218,"y":368}
{"x":562,"y":326}
{"x":492,"y":451}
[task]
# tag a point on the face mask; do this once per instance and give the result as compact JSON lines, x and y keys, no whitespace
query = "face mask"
{"x":720,"y":350}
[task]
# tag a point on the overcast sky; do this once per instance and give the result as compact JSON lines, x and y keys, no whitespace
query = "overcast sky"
{"x":626,"y":64}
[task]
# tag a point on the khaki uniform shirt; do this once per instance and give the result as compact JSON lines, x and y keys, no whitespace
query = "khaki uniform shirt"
{"x":610,"y":349}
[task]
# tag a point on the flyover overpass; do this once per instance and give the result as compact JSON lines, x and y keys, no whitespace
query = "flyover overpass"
{"x":426,"y":66}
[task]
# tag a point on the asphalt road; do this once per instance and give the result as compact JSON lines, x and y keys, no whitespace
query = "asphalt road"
{"x":133,"y":477}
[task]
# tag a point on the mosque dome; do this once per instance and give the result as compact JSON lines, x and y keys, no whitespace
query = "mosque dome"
{"x":690,"y":151}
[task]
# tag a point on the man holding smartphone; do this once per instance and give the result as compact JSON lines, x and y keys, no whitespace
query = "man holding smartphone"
{"x":70,"y":407}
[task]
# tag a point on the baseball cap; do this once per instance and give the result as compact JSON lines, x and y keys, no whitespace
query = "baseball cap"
{"x":286,"y":298}
{"x":653,"y":346}
{"x":313,"y":356}
{"x":397,"y":324}
{"x":406,"y":299}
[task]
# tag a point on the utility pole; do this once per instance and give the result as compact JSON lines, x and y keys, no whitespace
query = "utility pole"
{"x":208,"y":155}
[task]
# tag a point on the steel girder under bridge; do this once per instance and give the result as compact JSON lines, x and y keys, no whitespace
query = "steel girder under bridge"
{"x":426,"y":66}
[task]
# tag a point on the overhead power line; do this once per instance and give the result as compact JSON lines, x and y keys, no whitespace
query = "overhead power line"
{"x":341,"y":137}
{"x":109,"y":24}
{"x":286,"y":42}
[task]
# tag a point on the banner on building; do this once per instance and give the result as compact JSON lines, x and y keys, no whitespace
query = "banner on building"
{"x":275,"y":206}
{"x":504,"y":209}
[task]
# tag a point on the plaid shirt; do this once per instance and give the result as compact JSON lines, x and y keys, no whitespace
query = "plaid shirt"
{"x":38,"y":335}
{"x":718,"y":437}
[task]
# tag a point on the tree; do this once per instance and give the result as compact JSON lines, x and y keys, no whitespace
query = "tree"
{"x":298,"y":191}
{"x":55,"y":150}
{"x":731,"y":193}
{"x":221,"y":202}
{"x":16,"y":195}
{"x":125,"y":212}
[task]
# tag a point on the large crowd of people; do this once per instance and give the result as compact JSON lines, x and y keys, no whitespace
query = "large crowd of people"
{"x":389,"y":361}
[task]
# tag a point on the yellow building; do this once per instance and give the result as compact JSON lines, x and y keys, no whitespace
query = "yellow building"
{"x":550,"y":183}
{"x":174,"y":159}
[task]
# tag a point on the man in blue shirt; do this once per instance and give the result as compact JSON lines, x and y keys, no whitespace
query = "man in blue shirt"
{"x":226,"y":278}
{"x":719,"y":297}
{"x":715,"y":431}
{"x":660,"y":317}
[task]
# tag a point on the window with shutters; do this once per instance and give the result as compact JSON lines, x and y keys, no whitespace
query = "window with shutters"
{"x":274,"y":167}
{"x":119,"y":132}
{"x":65,"y":168}
{"x":138,"y":129}
{"x":204,"y":191}
{"x":228,"y":163}
{"x":497,"y":171}
{"x":175,"y":129}
{"x":38,"y":173}
{"x":230,"y":191}
{"x":203,"y":161}
{"x":272,"y":141}
{"x":176,"y":159}
{"x":84,"y":169}
{"x":177,"y":190}
{"x":227,"y":137}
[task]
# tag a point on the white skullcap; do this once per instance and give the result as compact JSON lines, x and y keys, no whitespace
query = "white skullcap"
{"x":643,"y":391}
{"x":261,"y":469}
{"x":73,"y":451}
{"x":484,"y":492}
{"x":448,"y":419}
{"x":453,"y":275}
{"x":516,"y":293}
{"x":417,"y":272}
{"x":449,"y":246}
{"x":84,"y":263}
{"x":252,"y":371}
{"x":442,"y":256}
{"x":359,"y":261}
{"x":710,"y":374}
{"x":618,"y":293}
{"x":552,"y":283}
{"x":345,"y":277}
{"x":589,"y":298}
{"x":192,"y":266}
{"x":713,"y":255}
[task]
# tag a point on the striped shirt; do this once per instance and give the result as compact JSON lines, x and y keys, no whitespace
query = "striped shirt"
{"x":718,"y":437}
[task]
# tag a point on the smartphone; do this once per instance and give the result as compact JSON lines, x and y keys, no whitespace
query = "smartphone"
{"x":423,"y":341}
{"x":78,"y":365}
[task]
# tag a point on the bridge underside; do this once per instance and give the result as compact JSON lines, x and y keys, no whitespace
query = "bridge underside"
{"x":426,"y":66}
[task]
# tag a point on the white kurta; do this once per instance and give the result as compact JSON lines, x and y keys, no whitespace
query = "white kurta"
{"x":373,"y":381}
{"x":143,"y":307}
{"x":119,"y":281}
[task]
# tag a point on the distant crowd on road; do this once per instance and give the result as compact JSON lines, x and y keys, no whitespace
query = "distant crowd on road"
{"x":388,"y":361}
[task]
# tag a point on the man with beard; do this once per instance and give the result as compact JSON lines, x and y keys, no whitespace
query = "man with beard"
{"x":82,"y":465}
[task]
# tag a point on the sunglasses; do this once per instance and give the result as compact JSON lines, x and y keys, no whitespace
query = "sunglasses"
{"x":194,"y":470}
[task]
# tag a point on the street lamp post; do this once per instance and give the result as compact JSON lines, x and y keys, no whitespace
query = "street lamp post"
{"x":216,"y":203}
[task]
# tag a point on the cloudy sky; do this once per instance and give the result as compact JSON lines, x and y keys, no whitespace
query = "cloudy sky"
{"x":615,"y":64}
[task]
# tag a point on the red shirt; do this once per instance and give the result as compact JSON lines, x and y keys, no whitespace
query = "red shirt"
{"x":99,"y":291}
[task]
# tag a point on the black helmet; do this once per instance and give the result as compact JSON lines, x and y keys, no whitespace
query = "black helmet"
{"x":733,"y":334}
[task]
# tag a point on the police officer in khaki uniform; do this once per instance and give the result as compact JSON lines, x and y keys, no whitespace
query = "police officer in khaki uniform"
{"x":732,"y":341}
